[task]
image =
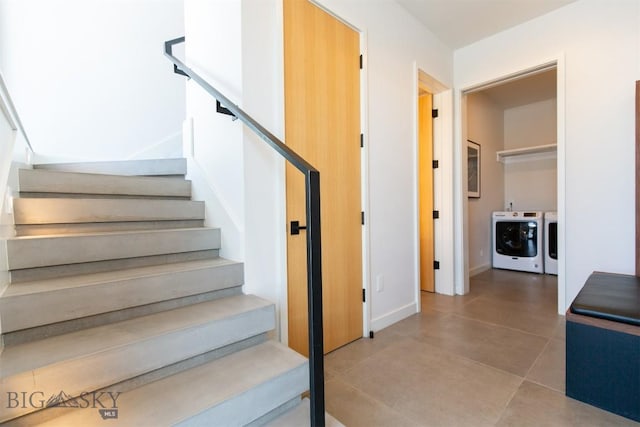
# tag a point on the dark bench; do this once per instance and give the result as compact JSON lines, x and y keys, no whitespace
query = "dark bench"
{"x":603,"y":344}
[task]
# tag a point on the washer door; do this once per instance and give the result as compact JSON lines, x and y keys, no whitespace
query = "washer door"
{"x":553,"y":240}
{"x":517,"y":238}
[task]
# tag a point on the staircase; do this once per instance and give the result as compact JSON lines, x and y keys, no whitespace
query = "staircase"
{"x":120,"y":309}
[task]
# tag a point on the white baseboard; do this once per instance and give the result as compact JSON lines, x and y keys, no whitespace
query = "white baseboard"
{"x":393,"y":317}
{"x":479,"y":269}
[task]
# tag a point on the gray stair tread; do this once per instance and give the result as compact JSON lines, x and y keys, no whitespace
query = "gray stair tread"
{"x":87,"y":210}
{"x":48,"y":285}
{"x":53,"y":181}
{"x":299,"y":416}
{"x":183,"y":396}
{"x":24,"y":358}
{"x":123,"y":167}
{"x":94,"y":227}
{"x":50,"y":250}
{"x":50,"y":301}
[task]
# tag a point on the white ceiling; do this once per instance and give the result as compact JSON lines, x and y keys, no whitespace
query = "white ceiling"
{"x":527,"y":90}
{"x":458,"y":23}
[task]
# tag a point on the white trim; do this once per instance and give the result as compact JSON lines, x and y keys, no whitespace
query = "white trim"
{"x":394,"y":316}
{"x":461,"y":246}
{"x":416,"y":185}
{"x":441,"y":180}
{"x":562,"y":173}
{"x":443,"y":197}
{"x":364,"y":186}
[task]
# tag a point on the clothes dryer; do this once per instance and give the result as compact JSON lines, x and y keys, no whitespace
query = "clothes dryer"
{"x":517,"y":241}
{"x":551,"y":243}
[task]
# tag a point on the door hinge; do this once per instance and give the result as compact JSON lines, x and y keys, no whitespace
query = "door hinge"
{"x":361,"y":140}
{"x":362,"y":217}
{"x":361,"y":66}
{"x":436,"y":265}
{"x":435,"y":164}
{"x":436,"y":214}
{"x":434,"y":113}
{"x":364,"y":295}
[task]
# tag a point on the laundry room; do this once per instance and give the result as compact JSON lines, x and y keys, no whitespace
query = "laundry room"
{"x":511,"y":132}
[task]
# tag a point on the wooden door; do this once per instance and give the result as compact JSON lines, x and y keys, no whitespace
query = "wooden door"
{"x":322,"y":123}
{"x":425,"y":143}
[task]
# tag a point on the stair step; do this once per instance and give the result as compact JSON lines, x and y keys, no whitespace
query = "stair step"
{"x":65,"y":211}
{"x":59,"y":182}
{"x":41,"y":251}
{"x":101,"y":227}
{"x":231,"y":391}
{"x":153,"y":167}
{"x":96,"y":358}
{"x":43,"y":302}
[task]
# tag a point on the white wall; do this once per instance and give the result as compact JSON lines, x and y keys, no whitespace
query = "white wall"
{"x":214,"y":49}
{"x":599,"y":43}
{"x":236,"y":46}
{"x":264,"y":192}
{"x":395,"y":43}
{"x":89,"y":78}
{"x":531,"y":182}
{"x":485,"y":126}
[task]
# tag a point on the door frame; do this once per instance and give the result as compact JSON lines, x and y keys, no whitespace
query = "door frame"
{"x":443,"y":228}
{"x":461,"y":206}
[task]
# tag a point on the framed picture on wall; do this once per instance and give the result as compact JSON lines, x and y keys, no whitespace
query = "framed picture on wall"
{"x":473,"y":169}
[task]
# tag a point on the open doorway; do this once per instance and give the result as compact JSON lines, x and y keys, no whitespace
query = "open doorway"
{"x":425,"y":188}
{"x":434,"y":172}
{"x":514,"y":124}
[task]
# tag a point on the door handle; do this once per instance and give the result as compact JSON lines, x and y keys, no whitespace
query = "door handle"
{"x":296,"y":227}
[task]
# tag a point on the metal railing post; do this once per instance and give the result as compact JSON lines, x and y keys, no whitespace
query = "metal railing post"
{"x":314,"y":293}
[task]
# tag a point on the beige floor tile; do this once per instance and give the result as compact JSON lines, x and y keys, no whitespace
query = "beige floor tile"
{"x":346,"y":357}
{"x":430,"y":385}
{"x":418,"y":324}
{"x":561,"y":329}
{"x":512,"y":315}
{"x":549,"y":369}
{"x":503,"y":348}
{"x":445,"y":303}
{"x":436,"y":368}
{"x":354,"y":408}
{"x":535,"y":405}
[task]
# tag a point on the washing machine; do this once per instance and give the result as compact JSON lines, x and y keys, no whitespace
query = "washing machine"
{"x":551,"y":243}
{"x":518,"y":241}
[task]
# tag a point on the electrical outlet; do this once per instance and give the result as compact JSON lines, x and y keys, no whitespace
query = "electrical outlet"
{"x":379,"y":283}
{"x":481,"y":253}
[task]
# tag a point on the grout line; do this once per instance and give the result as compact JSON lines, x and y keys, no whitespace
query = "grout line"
{"x":538,"y":358}
{"x":501,"y":326}
{"x":373,"y":399}
{"x":513,"y":395}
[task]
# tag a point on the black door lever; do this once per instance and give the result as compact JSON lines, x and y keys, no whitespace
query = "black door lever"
{"x":296,"y":227}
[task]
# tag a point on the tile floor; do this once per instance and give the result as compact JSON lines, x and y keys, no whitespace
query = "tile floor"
{"x":494,"y":357}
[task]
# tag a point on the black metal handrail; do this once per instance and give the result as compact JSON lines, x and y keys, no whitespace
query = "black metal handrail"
{"x":314,"y":261}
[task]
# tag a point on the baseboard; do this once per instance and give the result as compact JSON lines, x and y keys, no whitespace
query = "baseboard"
{"x":393,"y":317}
{"x":479,"y":269}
